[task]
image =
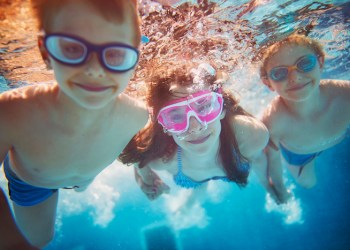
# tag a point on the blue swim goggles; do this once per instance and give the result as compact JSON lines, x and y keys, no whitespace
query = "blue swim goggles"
{"x":303,"y":64}
{"x":74,"y":51}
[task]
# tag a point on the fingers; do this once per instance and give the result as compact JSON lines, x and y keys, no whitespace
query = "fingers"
{"x":153,"y":196}
{"x":165,"y":188}
{"x":151,"y":185}
{"x":154,"y":191}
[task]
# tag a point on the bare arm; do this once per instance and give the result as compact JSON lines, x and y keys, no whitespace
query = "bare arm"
{"x":253,"y":136}
{"x":11,"y":237}
{"x":275,"y":174}
{"x":6,"y":127}
{"x":150,"y":183}
{"x":274,"y":163}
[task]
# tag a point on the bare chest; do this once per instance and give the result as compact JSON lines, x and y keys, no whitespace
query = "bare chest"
{"x":314,"y":135}
{"x":197,"y":170}
{"x":53,"y":157}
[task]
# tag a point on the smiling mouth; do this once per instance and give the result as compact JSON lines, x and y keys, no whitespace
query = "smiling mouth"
{"x":92,"y":88}
{"x":199,"y":141}
{"x":298,"y":87}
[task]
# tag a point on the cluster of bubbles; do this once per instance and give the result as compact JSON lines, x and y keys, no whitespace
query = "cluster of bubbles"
{"x":196,"y":32}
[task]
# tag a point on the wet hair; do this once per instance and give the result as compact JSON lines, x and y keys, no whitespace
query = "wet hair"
{"x":112,"y":10}
{"x":153,"y":143}
{"x":294,"y":39}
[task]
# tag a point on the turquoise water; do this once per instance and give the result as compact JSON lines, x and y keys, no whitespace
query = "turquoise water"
{"x":113,"y":213}
{"x":238,"y":220}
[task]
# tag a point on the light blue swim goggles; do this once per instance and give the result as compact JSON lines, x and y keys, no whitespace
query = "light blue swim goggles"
{"x":304,"y":64}
{"x":74,"y":51}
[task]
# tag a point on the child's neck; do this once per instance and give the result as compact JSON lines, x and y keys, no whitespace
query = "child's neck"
{"x":202,"y":160}
{"x":306,"y":108}
{"x":74,"y":113}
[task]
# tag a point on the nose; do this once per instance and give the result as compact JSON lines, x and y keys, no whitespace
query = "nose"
{"x":294,"y":75}
{"x":94,"y":67}
{"x":196,"y":126}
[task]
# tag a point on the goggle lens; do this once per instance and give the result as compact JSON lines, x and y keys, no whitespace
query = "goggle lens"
{"x":205,"y":106}
{"x":74,"y":51}
{"x":304,"y":64}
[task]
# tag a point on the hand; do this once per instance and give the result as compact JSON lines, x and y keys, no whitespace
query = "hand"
{"x":284,"y":197}
{"x":153,"y":187}
{"x":280,"y":196}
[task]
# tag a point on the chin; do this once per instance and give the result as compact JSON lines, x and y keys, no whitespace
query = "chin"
{"x":94,"y":104}
{"x":203,"y":148}
{"x":300,"y":97}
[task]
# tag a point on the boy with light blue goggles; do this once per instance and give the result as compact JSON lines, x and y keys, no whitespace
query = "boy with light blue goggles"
{"x":74,"y":51}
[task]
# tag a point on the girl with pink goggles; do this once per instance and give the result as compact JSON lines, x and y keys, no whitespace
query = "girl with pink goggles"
{"x":206,"y":106}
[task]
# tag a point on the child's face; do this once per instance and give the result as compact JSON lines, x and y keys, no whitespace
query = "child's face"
{"x":294,"y":83}
{"x":199,"y":137}
{"x":90,"y":85}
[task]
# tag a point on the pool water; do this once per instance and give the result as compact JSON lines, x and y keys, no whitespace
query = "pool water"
{"x":113,"y":213}
{"x":230,"y":219}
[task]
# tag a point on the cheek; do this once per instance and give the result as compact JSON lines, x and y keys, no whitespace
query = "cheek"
{"x":61,"y":70}
{"x":178,"y":141}
{"x":122,"y":79}
{"x":278,"y":86}
{"x":318,"y":72}
{"x":215,"y":127}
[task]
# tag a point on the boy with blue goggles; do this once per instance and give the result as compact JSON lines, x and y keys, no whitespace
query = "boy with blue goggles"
{"x":74,"y":51}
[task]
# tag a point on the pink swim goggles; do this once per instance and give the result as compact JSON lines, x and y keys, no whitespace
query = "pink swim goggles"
{"x":205,"y":106}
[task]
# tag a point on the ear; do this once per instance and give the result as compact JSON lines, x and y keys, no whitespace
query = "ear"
{"x":266,"y":81}
{"x":321,"y":61}
{"x":43,"y":52}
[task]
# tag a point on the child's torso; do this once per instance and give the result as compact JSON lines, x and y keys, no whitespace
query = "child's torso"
{"x":314,"y":134}
{"x":193,"y":169}
{"x":51,"y":150}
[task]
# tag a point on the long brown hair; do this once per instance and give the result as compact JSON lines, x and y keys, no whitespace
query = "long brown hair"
{"x":152,"y":143}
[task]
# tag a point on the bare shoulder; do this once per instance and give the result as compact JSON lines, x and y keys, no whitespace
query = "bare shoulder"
{"x":272,"y":112}
{"x":135,"y":111}
{"x":251,"y":134}
{"x":21,"y":102}
{"x":334,"y":83}
{"x":17,"y":107}
{"x":275,"y":117}
{"x":161,"y":164}
{"x":339,"y":89}
{"x":27,"y":93}
{"x":243,"y":123}
{"x":337,"y":93}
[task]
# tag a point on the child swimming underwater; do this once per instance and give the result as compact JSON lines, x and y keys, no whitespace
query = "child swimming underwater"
{"x":198,"y":132}
{"x":63,"y":135}
{"x":308,"y":116}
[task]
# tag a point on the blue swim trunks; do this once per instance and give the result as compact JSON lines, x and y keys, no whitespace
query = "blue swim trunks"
{"x":297,"y":159}
{"x":22,"y":193}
